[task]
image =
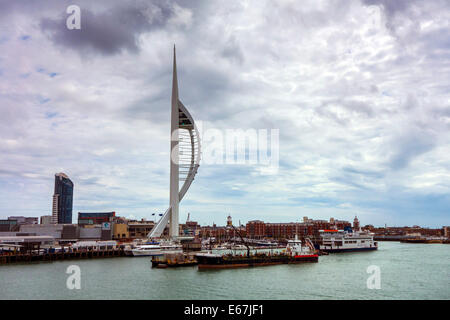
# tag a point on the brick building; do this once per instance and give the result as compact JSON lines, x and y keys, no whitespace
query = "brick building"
{"x":258,"y":229}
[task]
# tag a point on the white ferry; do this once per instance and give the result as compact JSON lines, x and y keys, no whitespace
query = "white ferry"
{"x":346,"y":241}
{"x":146,"y":250}
{"x":156,"y":249}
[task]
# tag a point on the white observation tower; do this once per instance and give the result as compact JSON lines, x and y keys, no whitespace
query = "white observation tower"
{"x":184,"y":159}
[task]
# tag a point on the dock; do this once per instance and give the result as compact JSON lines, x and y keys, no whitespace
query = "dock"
{"x":13,"y":257}
{"x":413,"y":240}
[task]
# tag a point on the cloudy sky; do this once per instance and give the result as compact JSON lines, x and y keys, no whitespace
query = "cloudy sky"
{"x":359,"y":91}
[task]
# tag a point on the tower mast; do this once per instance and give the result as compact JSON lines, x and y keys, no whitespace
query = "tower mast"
{"x":174,"y":155}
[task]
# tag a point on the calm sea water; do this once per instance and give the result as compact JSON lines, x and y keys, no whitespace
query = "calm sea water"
{"x":408,"y":271}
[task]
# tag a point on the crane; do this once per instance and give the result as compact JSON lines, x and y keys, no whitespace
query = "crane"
{"x":243,"y":241}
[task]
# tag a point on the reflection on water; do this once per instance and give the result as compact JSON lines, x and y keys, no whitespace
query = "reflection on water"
{"x":404,"y":275}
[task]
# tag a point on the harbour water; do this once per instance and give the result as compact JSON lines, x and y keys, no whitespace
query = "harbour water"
{"x":407,"y":271}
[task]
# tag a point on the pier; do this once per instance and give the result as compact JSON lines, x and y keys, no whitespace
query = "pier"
{"x":13,"y":257}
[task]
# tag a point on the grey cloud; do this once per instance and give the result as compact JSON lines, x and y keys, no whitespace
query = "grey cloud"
{"x":363,"y":172}
{"x":391,"y":7}
{"x":412,"y":11}
{"x":233,"y":51}
{"x":153,"y":109}
{"x":110,"y":31}
{"x":408,"y":146}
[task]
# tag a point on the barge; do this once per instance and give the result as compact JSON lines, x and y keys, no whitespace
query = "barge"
{"x":173,"y":259}
{"x":295,"y":252}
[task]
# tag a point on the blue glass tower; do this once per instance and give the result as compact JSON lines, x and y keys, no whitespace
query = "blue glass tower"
{"x":62,"y":199}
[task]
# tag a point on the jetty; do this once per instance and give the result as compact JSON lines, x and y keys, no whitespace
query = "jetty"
{"x":14,"y":257}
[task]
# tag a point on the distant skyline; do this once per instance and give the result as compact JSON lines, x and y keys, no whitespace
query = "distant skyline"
{"x":359,"y":91}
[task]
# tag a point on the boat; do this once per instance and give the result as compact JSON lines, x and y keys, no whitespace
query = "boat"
{"x":146,"y":250}
{"x":295,"y":252}
{"x":224,"y":246}
{"x":346,"y":241}
{"x":238,"y":247}
{"x":265,"y":243}
{"x":173,"y":259}
{"x":155,"y":248}
{"x":128,"y":250}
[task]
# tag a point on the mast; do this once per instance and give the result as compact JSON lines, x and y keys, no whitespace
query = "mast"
{"x":174,"y":155}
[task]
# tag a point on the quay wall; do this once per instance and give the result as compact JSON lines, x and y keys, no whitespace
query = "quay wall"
{"x":7,"y":258}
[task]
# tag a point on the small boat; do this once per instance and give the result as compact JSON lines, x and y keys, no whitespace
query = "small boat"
{"x":173,"y":259}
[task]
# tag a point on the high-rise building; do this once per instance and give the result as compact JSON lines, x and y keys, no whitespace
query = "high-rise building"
{"x":62,"y":199}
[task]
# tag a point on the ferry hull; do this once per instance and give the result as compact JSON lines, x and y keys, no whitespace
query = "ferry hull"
{"x":146,"y":254}
{"x":339,"y":250}
{"x":221,"y":263}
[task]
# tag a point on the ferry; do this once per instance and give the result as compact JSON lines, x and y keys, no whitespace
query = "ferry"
{"x":155,"y":249}
{"x":146,"y":250}
{"x":295,"y":252}
{"x":346,"y":241}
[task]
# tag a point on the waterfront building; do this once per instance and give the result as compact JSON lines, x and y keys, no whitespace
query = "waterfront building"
{"x":25,"y":242}
{"x":13,"y":223}
{"x":95,"y":217}
{"x":184,"y":159}
{"x":229,"y":221}
{"x":190,"y":228}
{"x":256,"y":229}
{"x":446,"y":231}
{"x":120,"y":231}
{"x":67,"y":233}
{"x":24,"y":220}
{"x":7,"y":225}
{"x":62,"y":199}
{"x":52,"y":230}
{"x":404,"y":231}
{"x":46,"y":219}
{"x":220,"y":233}
{"x":140,"y":229}
{"x":356,"y":223}
{"x":342,"y":224}
{"x":281,"y":230}
{"x":97,"y":232}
